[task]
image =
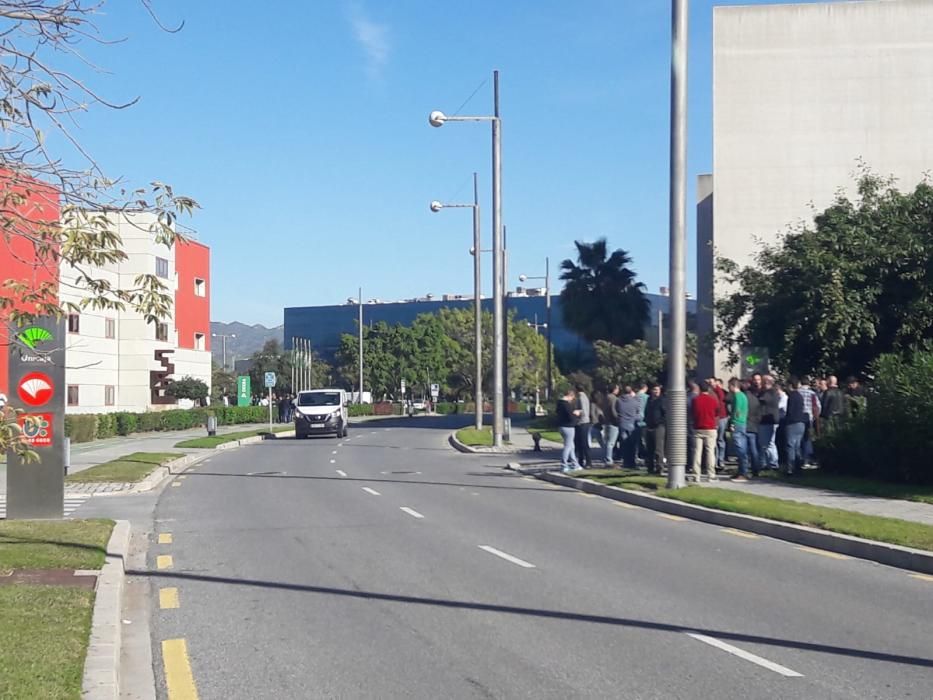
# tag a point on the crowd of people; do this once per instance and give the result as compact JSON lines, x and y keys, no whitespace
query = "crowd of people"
{"x":760,"y":421}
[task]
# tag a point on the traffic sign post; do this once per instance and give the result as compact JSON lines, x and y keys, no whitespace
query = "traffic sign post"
{"x":269,"y":381}
{"x":435,"y":392}
{"x":37,"y":387}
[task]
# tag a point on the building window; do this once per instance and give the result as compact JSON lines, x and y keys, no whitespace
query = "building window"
{"x":110,"y":395}
{"x":162,"y":268}
{"x":198,"y":341}
{"x":162,"y":331}
{"x":72,"y":394}
{"x":200,"y":287}
{"x":74,"y":323}
{"x":110,"y":328}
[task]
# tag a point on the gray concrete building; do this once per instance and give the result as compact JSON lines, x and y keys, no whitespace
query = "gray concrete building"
{"x":801,"y":95}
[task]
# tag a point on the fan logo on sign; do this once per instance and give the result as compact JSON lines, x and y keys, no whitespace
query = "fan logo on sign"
{"x":35,"y":389}
{"x":32,"y":337}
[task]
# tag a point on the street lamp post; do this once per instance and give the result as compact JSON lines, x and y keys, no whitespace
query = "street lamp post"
{"x":223,"y":337}
{"x":477,"y":298}
{"x":438,"y":119}
{"x":677,"y":397}
{"x":360,"y":401}
{"x":547,"y":322}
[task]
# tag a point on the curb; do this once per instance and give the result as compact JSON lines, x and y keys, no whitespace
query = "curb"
{"x":102,"y":665}
{"x":880,"y":552}
{"x":459,"y":446}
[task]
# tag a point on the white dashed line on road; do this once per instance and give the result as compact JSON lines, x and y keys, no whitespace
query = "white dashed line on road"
{"x":508,"y":557}
{"x":411,"y":512}
{"x":341,"y":472}
{"x":333,"y":461}
{"x":747,"y":656}
{"x":371,"y":491}
{"x":334,"y":452}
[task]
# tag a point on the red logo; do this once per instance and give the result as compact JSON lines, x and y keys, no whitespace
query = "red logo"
{"x":37,"y":429}
{"x":35,"y":389}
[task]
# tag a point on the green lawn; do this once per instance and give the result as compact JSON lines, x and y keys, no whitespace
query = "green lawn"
{"x":854,"y":484}
{"x":129,"y":468}
{"x":475,"y":438}
{"x":53,"y":544}
{"x":210,"y":442}
{"x":43,"y":640}
{"x":631,"y":479}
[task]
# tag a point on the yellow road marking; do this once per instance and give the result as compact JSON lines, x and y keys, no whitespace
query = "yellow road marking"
{"x":164,"y":561}
{"x":178,"y":676}
{"x":739,"y":533}
{"x":822,"y":553}
{"x":165,"y":538}
{"x":168,"y":598}
{"x":675,"y":518}
{"x":922,"y":577}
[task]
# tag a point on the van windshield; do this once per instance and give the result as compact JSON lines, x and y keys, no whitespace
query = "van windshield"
{"x":319,"y":398}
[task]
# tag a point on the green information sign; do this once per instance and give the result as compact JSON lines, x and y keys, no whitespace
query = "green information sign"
{"x":243,"y":391}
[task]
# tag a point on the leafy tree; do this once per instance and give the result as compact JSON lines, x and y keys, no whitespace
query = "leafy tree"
{"x":627,"y":364}
{"x":223,"y":383}
{"x":187,"y":388}
{"x":41,"y":42}
{"x":835,"y":295}
{"x":601,"y":299}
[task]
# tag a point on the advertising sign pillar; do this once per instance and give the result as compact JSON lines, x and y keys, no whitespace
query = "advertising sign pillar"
{"x":243,"y":390}
{"x":37,"y":387}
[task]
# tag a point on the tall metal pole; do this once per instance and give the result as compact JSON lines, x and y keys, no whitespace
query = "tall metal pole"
{"x":294,"y":363}
{"x":361,"y":347}
{"x":506,"y":399}
{"x":677,"y":375}
{"x":547,"y":305}
{"x":223,"y":342}
{"x":477,"y":308}
{"x":661,"y":330}
{"x":497,"y":260}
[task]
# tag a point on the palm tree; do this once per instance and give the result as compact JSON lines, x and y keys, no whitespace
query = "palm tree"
{"x":601,"y":299}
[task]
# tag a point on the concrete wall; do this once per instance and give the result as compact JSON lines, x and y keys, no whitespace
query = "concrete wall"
{"x":803,"y":92}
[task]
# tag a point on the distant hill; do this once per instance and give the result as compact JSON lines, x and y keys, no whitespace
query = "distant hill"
{"x":248,"y":340}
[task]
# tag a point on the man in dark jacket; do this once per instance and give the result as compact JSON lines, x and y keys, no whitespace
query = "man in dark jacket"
{"x":611,"y":414}
{"x":629,"y":407}
{"x":770,"y":405}
{"x":833,"y":404}
{"x":655,"y":430}
{"x":751,"y":429}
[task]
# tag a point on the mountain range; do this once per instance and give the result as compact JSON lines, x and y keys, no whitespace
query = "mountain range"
{"x":248,"y":340}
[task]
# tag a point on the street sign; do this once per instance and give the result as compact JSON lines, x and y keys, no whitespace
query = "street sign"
{"x":435,"y":391}
{"x":243,"y":390}
{"x":754,"y":360}
{"x":37,"y":371}
{"x":269,"y":378}
{"x":403,"y":386}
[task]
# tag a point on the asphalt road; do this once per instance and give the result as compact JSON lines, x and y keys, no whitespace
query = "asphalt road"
{"x":388,"y":566}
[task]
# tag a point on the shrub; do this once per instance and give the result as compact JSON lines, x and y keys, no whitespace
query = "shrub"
{"x":365,"y":409}
{"x":81,"y":427}
{"x":891,"y":438}
{"x":106,"y":426}
{"x":126,"y":422}
{"x":446,"y":408}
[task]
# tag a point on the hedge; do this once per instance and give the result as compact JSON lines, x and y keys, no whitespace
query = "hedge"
{"x":90,"y":426}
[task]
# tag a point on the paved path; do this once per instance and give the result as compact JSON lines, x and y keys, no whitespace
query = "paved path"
{"x":388,"y":565}
{"x":869,"y":505}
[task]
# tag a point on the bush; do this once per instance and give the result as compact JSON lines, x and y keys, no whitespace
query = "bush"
{"x":356,"y":409}
{"x":106,"y":426}
{"x":445,"y":408}
{"x":81,"y":427}
{"x":891,"y":438}
{"x":126,"y":422}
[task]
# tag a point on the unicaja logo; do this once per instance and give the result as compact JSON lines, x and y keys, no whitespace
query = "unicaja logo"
{"x":32,"y":336}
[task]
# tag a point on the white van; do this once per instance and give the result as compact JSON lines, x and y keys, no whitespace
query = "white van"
{"x":321,"y":412}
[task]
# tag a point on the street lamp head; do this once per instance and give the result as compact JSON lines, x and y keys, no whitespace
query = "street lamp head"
{"x":436,"y":206}
{"x":472,"y":250}
{"x":522,"y":278}
{"x":437,"y":118}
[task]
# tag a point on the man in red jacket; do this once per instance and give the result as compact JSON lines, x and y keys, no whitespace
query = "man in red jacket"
{"x":705,"y":409}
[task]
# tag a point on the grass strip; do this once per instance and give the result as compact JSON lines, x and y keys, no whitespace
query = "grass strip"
{"x":208,"y":442}
{"x":814,"y":478}
{"x":475,"y":438}
{"x":127,"y":469}
{"x":53,"y":544}
{"x":44,"y":635}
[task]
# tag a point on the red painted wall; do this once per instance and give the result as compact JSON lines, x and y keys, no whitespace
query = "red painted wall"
{"x":192,"y":312}
{"x":25,"y":206}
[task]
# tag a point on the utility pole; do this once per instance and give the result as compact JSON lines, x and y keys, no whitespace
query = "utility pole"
{"x":360,"y":401}
{"x":677,"y":395}
{"x":547,"y":306}
{"x":477,"y":309}
{"x":497,"y":262}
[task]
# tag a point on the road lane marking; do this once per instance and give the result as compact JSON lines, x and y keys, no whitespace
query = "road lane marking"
{"x":176,"y":484}
{"x":333,"y":461}
{"x":922,"y":577}
{"x":168,"y":598}
{"x":739,"y":533}
{"x":372,"y":491}
{"x":339,"y":444}
{"x":164,"y":561}
{"x":165,"y":538}
{"x":178,"y":676}
{"x":822,"y":553}
{"x":625,"y":505}
{"x":334,"y":452}
{"x":668,"y":516}
{"x":508,"y":557}
{"x":183,"y":477}
{"x":747,"y":656}
{"x":341,"y":472}
{"x":411,"y":512}
{"x":587,"y":495}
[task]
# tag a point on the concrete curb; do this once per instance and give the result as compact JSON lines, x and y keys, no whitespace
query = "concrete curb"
{"x":880,"y":552}
{"x":102,"y":665}
{"x":459,"y":446}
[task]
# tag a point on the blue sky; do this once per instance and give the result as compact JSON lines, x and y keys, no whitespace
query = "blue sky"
{"x":302,"y":131}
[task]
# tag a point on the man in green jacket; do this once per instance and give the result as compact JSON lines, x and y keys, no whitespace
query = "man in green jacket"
{"x":739,"y":421}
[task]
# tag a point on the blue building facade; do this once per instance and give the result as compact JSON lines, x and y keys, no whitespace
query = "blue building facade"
{"x":323,"y":325}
